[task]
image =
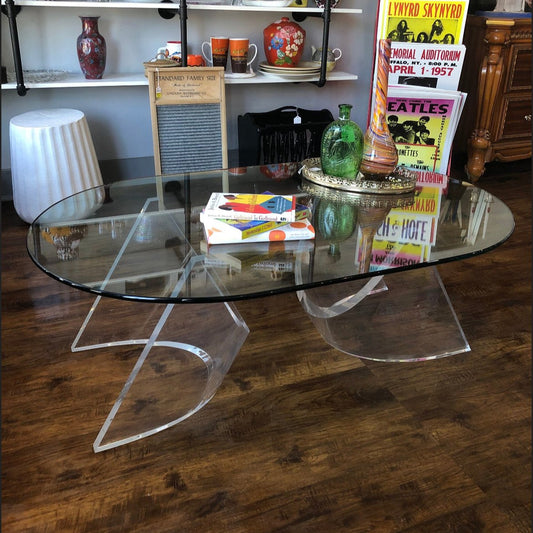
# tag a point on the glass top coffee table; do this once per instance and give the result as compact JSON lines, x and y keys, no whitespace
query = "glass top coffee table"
{"x":364,"y":280}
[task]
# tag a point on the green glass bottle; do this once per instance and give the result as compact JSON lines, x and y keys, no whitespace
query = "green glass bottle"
{"x":341,"y":149}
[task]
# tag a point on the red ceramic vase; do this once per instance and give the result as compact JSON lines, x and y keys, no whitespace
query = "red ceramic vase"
{"x":284,"y":43}
{"x":91,"y":49}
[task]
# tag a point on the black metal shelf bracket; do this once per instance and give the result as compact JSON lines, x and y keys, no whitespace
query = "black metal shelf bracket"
{"x":298,"y":17}
{"x":326,"y":16}
{"x":11,"y":11}
{"x":182,"y":13}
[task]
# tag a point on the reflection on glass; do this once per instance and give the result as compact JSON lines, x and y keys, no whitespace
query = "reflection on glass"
{"x":340,"y":214}
{"x":335,"y":222}
{"x":66,"y":240}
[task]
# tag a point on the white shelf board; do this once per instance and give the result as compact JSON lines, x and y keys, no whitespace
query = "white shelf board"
{"x":78,"y":80}
{"x":262,"y":78}
{"x":138,"y":79}
{"x":159,"y":5}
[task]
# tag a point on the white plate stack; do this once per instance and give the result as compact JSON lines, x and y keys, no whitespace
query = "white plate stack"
{"x":305,"y":70}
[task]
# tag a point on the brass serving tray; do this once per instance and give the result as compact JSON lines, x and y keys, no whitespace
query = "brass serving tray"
{"x":389,"y":201}
{"x":400,"y":182}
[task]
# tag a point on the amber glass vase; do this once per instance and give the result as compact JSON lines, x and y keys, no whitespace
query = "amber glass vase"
{"x":380,"y":156}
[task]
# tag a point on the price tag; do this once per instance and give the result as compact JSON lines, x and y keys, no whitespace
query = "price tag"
{"x":297,"y":119}
{"x":157,"y":88}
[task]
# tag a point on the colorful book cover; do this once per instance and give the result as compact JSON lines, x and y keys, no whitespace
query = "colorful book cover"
{"x":416,"y":121}
{"x":260,"y":248}
{"x":297,"y":230}
{"x":423,"y":21}
{"x":426,"y":65}
{"x":274,"y":256}
{"x":237,"y":206}
{"x":274,"y":266}
{"x":240,"y":230}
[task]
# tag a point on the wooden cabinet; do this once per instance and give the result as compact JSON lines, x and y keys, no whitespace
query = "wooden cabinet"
{"x":496,"y":121}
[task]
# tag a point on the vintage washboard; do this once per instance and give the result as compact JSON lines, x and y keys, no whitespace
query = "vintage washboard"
{"x":188,"y":110}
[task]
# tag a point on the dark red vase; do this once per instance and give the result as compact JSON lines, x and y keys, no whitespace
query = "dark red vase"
{"x":91,"y":49}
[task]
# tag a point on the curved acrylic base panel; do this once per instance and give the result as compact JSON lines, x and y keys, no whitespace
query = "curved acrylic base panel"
{"x":407,"y":316}
{"x":182,"y":355}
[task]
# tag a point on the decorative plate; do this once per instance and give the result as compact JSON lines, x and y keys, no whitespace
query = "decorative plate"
{"x":303,"y":67}
{"x":292,"y":77}
{"x":401,"y":181}
{"x":38,"y":76}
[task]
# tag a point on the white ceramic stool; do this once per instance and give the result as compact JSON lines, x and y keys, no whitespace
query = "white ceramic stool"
{"x":52,"y":157}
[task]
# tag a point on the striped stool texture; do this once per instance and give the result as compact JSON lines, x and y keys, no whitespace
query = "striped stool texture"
{"x":52,"y":157}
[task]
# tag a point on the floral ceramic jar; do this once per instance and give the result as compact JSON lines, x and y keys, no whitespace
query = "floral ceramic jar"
{"x":284,"y":43}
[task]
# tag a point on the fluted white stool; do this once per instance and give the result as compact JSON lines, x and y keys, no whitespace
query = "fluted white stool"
{"x":52,"y":157}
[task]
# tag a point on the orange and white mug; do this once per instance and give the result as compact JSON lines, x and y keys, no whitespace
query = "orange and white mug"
{"x":215,"y":52}
{"x":239,"y":51}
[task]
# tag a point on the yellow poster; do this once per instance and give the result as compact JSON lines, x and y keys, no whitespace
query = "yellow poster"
{"x":423,"y":21}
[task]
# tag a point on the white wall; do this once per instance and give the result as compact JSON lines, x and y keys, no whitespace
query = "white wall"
{"x":119,"y":117}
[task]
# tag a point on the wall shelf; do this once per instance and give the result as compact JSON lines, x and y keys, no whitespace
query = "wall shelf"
{"x":125,"y":73}
{"x":171,"y":6}
{"x":137,"y":79}
{"x":73,"y":79}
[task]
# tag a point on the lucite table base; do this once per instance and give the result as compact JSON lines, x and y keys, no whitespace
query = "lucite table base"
{"x":186,"y":350}
{"x":405,"y":316}
{"x":184,"y":353}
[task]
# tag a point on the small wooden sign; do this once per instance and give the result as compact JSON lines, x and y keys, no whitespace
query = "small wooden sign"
{"x":188,"y":111}
{"x":186,"y":85}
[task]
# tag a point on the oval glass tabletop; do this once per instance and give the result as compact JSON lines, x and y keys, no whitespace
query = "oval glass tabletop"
{"x":143,"y":239}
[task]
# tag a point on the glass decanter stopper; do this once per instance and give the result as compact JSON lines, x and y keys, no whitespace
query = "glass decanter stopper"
{"x":341,"y":148}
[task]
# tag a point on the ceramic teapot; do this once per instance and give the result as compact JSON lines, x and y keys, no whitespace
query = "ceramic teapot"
{"x":332,"y":57}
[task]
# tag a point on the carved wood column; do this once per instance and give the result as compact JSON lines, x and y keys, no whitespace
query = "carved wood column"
{"x":497,"y":37}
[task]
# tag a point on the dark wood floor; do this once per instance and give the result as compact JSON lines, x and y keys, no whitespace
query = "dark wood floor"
{"x":299,"y":437}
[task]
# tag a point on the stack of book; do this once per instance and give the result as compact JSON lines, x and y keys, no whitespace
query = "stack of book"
{"x":424,"y":104}
{"x":238,"y":217}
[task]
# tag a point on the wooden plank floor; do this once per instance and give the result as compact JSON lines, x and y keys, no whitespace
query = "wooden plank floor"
{"x":299,"y":437}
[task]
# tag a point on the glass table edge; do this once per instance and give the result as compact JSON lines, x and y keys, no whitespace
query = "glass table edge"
{"x":263,"y":293}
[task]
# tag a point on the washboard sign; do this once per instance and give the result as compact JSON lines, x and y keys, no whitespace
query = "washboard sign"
{"x":188,"y":111}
